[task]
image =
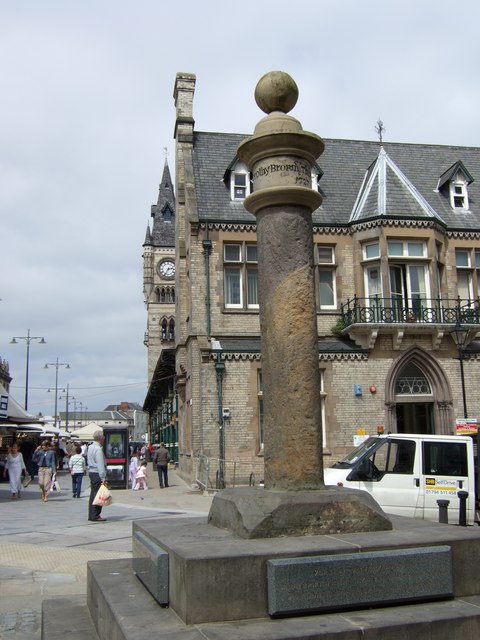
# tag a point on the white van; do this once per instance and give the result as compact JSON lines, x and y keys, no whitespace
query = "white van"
{"x":408,"y":473}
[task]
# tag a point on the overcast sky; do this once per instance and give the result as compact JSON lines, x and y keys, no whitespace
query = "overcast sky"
{"x":86,"y":110}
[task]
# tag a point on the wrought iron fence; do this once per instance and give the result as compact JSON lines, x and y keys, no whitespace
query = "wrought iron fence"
{"x":209,"y":471}
{"x":423,"y":310}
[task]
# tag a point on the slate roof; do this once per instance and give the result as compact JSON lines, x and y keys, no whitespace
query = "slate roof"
{"x":345,"y":164}
{"x":251,"y":344}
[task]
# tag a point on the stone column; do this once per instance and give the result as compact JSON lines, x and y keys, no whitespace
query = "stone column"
{"x":280,"y":156}
{"x":295,"y":501}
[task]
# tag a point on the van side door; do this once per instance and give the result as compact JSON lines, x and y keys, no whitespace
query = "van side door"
{"x":389,"y":473}
{"x":444,"y":473}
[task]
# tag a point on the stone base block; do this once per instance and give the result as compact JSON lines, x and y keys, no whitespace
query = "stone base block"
{"x":214,"y":575}
{"x":358,"y":580}
{"x":254,"y":512}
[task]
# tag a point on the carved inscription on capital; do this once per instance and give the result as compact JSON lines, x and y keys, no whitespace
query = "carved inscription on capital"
{"x":281,"y":172}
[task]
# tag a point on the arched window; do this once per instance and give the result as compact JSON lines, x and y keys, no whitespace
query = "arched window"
{"x":412,"y":381}
{"x":164,"y":329}
{"x":171,"y":330}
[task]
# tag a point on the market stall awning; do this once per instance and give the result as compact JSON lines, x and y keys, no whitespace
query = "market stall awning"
{"x":11,"y":412}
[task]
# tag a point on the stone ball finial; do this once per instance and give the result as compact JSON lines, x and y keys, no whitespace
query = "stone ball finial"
{"x":276,"y":91}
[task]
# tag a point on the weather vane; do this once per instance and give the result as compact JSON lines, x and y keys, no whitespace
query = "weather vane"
{"x":380,"y":129}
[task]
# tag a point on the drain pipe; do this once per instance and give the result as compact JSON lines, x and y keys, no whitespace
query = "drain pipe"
{"x":207,"y":250}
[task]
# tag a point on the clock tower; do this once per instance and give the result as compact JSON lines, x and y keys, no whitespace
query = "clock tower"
{"x":159,"y":274}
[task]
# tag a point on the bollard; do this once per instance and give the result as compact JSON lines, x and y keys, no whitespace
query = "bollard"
{"x":443,"y":511}
{"x":462,"y":516}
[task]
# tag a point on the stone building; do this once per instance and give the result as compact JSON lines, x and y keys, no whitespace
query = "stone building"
{"x":397,"y":267}
{"x":159,"y":293}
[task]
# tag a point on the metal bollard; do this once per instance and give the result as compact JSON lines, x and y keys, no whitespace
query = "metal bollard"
{"x":462,"y":515}
{"x":443,"y":511}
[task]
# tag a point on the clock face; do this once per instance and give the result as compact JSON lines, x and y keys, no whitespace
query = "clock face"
{"x":166,"y":269}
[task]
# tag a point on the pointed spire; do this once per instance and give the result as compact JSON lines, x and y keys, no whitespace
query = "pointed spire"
{"x":163,"y":213}
{"x":165,"y":190}
{"x":148,"y":236}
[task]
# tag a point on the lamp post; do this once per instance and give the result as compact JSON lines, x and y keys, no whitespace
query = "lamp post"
{"x":28,"y":339}
{"x":67,"y":403}
{"x":459,"y":336}
{"x":219,"y":370}
{"x":56,"y":364}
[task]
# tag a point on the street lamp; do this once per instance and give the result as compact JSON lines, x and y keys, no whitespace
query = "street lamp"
{"x":56,"y":364}
{"x":28,"y":338}
{"x":67,"y":403}
{"x":459,"y":336}
{"x":220,"y":370}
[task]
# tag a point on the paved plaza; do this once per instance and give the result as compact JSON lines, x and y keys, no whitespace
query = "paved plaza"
{"x":44,"y":547}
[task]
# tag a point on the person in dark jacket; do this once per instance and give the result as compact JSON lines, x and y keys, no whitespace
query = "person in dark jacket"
{"x":162,"y":459}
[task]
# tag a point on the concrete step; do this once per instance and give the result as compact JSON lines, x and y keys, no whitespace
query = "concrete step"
{"x":67,"y":619}
{"x":122,"y":609}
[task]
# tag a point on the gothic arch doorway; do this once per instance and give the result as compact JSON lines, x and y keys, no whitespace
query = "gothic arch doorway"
{"x":417,"y":395}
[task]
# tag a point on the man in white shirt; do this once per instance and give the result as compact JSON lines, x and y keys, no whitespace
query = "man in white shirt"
{"x":97,"y":471}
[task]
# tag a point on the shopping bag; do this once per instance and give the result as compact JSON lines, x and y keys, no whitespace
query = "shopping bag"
{"x":26,"y":480}
{"x":103,"y":497}
{"x":54,"y":485}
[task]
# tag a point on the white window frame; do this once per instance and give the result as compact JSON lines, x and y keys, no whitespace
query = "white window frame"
{"x":327,"y":266}
{"x":239,"y":170}
{"x":458,"y":192}
{"x":465,"y":273}
{"x":369,"y":295}
{"x":407,"y":246}
{"x":368,"y":245}
{"x":243,"y":265}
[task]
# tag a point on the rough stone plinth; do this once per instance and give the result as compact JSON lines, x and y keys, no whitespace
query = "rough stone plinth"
{"x":253,"y":512}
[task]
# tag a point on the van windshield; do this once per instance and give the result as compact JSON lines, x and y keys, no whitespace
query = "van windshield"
{"x":359,"y":452}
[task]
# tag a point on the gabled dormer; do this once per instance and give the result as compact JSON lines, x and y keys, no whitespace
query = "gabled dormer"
{"x":387,"y":192}
{"x":238,"y":180}
{"x":453,"y":184}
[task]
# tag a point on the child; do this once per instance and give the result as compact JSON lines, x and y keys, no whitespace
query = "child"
{"x":133,"y":469}
{"x":141,"y":477}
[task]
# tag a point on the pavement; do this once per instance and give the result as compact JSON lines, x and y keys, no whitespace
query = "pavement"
{"x":44,"y":547}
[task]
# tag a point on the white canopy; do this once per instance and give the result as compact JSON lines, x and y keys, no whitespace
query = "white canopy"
{"x":86,"y":433}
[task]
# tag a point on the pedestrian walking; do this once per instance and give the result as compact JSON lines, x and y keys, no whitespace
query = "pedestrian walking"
{"x":45,"y":459}
{"x":97,"y":471}
{"x":162,"y":459}
{"x":78,"y":468}
{"x":15,"y":466}
{"x":141,"y":477}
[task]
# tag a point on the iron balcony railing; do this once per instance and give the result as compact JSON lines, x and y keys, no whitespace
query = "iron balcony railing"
{"x":377,"y":310}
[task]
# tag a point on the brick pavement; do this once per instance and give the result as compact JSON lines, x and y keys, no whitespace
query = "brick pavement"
{"x":44,"y":547}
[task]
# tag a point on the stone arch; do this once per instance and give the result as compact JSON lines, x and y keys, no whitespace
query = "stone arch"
{"x":441,"y":393}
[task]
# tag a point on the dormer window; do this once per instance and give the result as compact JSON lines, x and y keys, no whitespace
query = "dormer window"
{"x":239,"y":186}
{"x":454,"y":183}
{"x":458,"y":195}
{"x":239,"y":177}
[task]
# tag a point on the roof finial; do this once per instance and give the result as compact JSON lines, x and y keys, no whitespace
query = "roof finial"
{"x":380,"y":129}
{"x":165,"y":151}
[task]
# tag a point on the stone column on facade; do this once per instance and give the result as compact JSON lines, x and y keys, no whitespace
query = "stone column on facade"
{"x":280,"y":156}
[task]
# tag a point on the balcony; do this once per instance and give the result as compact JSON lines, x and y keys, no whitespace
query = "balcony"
{"x":365,"y":319}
